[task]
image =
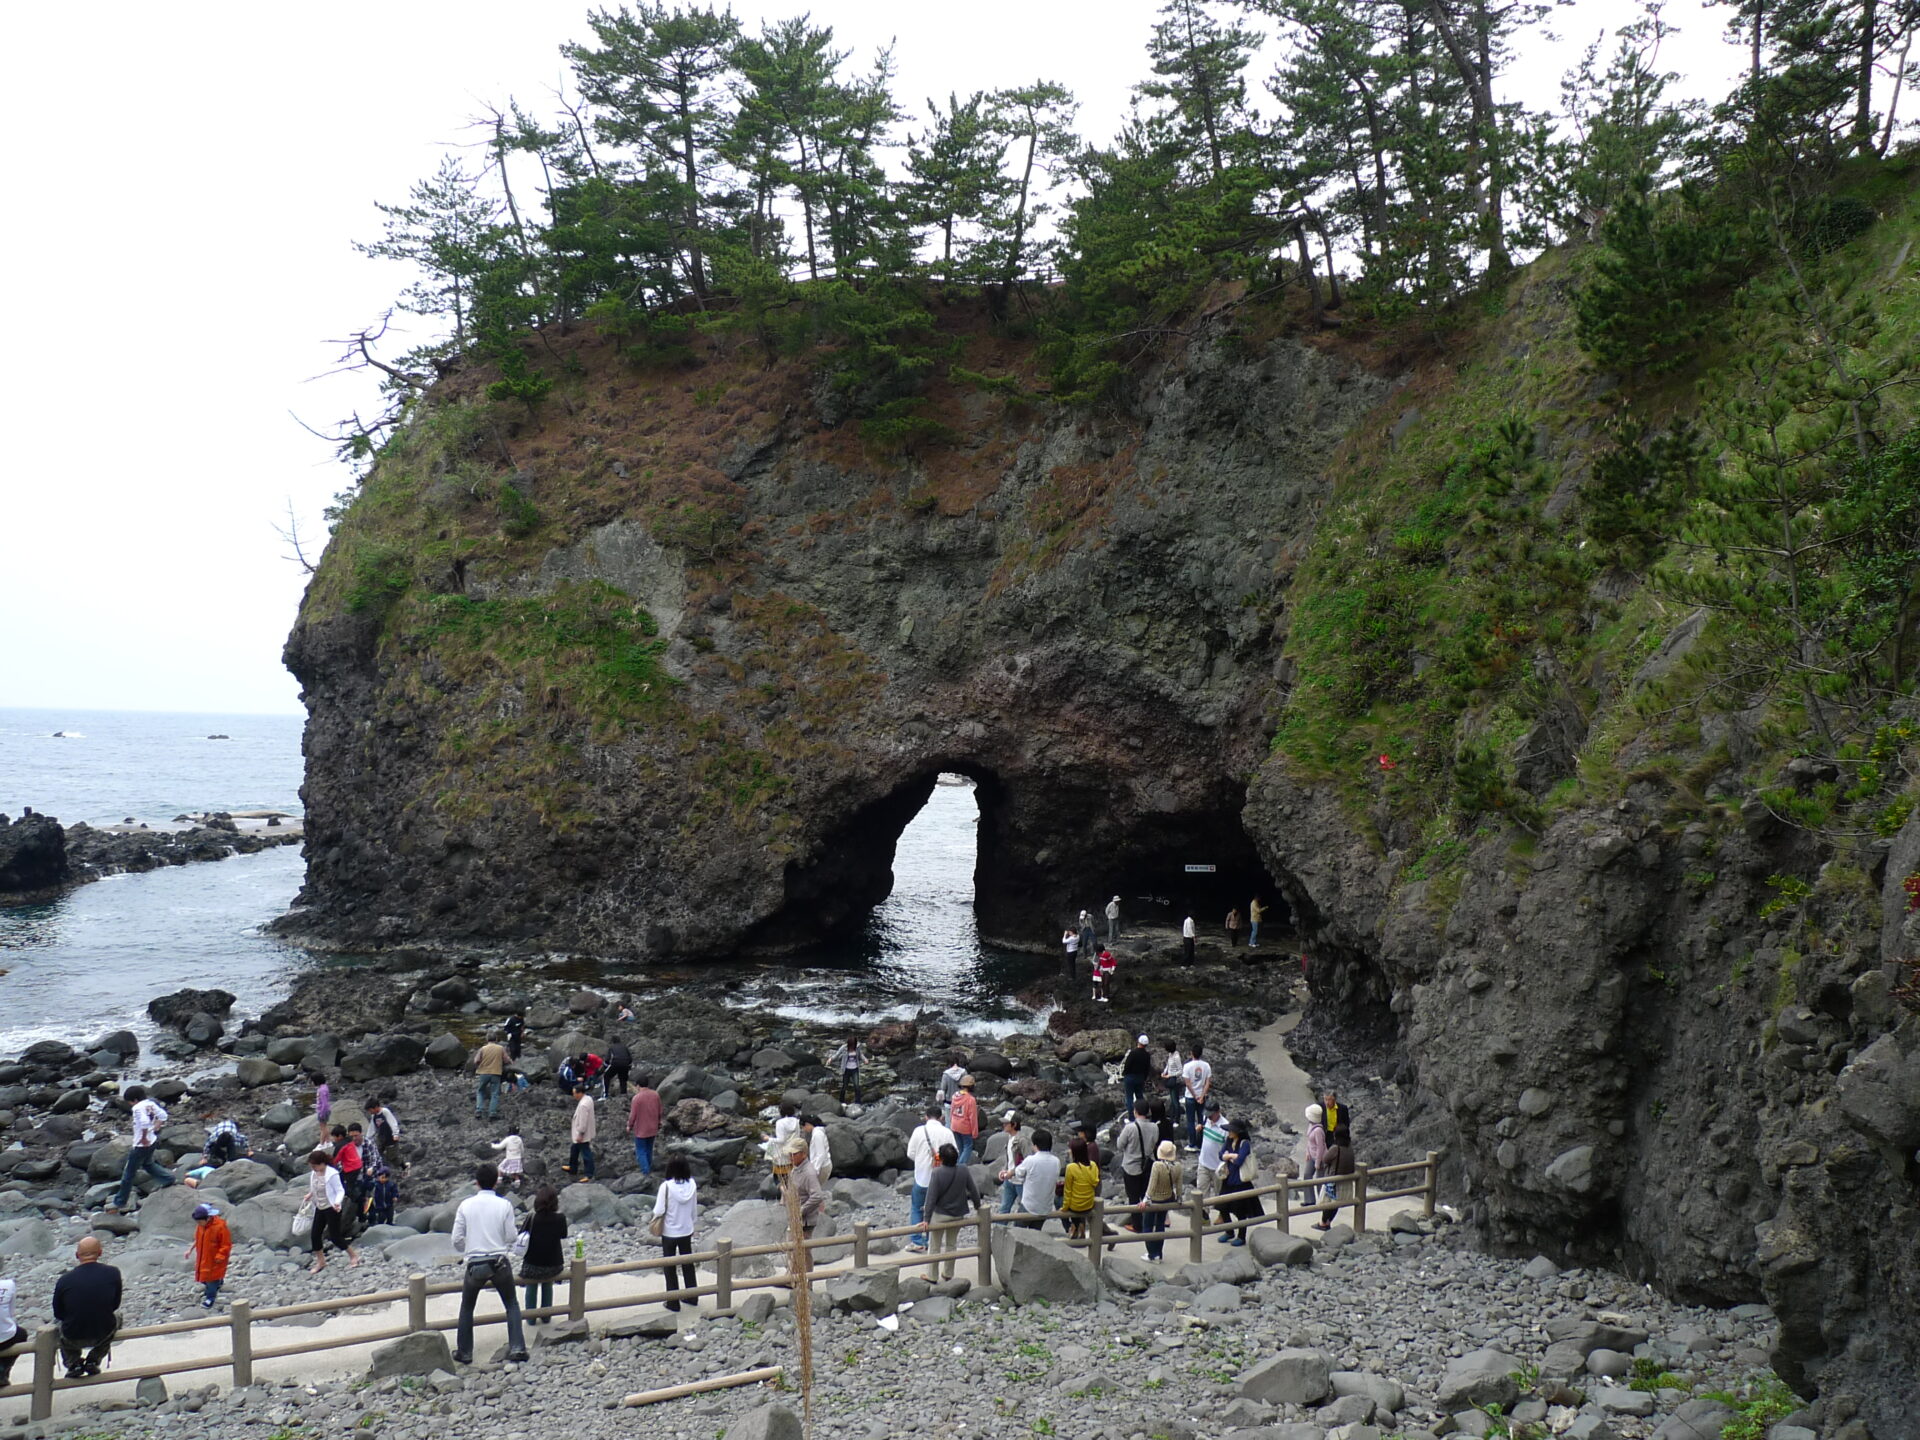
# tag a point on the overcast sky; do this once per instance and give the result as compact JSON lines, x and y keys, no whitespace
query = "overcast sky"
{"x":187,"y":181}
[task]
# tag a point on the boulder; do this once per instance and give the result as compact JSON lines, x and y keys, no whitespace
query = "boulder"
{"x":1271,"y":1246}
{"x":435,"y":1248}
{"x":169,"y":1211}
{"x":289,"y":1049}
{"x":1880,"y":1092}
{"x":688,"y":1080}
{"x":1478,"y":1379}
{"x":872,"y":1291}
{"x":586,"y":1002}
{"x":1609,"y":1364}
{"x":268,"y":1220}
{"x":49,"y":1055}
{"x":306,"y":1132}
{"x":1695,"y":1420}
{"x":591,"y":1204}
{"x":1386,"y":1394}
{"x":421,"y":1353}
{"x":123,"y":1043}
{"x":386,"y":1055}
{"x":33,"y":854}
{"x":243,"y":1179}
{"x":72,"y":1102}
{"x":452,"y":992}
{"x":1291,"y":1377}
{"x":1587,"y":1335}
{"x":108,"y":1161}
{"x":1105,"y":1044}
{"x":445,"y":1052}
{"x":696,"y":1117}
{"x":1573,"y":1169}
{"x":1031,"y":1266}
{"x":34,"y":1238}
{"x":203,"y":1029}
{"x":254,"y":1072}
{"x":1127,"y":1275}
{"x":177,"y":1009}
{"x":769,"y":1422}
{"x":280,"y":1117}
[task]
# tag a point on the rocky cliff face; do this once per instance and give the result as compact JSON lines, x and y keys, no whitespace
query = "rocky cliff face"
{"x":664,"y":670}
{"x":1079,"y":614}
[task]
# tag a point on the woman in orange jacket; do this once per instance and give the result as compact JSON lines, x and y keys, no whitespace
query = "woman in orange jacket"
{"x":211,"y":1248}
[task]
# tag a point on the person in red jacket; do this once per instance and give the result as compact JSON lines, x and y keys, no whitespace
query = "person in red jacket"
{"x":965,"y":1121}
{"x":211,"y":1248}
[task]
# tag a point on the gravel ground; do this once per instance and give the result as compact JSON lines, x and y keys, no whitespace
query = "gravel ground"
{"x":1168,"y":1362}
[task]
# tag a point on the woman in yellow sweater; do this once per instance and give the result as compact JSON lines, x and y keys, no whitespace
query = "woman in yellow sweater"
{"x":1078,"y":1186}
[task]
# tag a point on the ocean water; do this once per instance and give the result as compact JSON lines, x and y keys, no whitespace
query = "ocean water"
{"x":89,"y":961}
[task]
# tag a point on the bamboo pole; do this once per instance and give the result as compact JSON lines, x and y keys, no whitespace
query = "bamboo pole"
{"x":700,"y":1387}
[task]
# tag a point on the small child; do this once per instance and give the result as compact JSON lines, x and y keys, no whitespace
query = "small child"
{"x":512,"y":1156}
{"x":211,"y":1248}
{"x":322,"y":1100}
{"x":385,"y":1196}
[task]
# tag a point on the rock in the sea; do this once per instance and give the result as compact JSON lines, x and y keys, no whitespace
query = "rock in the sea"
{"x":175,"y":1010}
{"x":121,"y":1042}
{"x":33,"y":854}
{"x":203,"y":1029}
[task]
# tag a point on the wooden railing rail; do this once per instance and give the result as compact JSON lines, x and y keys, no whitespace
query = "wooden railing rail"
{"x":1355,"y":1192}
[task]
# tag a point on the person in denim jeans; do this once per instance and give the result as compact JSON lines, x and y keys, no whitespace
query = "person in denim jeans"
{"x":489,"y":1066}
{"x":148,"y":1117}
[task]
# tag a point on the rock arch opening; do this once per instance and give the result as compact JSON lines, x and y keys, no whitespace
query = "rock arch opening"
{"x":1046,"y":846}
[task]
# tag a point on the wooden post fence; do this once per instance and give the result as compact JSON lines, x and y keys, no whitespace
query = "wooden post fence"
{"x":241,"y":1317}
{"x":1414,"y":1180}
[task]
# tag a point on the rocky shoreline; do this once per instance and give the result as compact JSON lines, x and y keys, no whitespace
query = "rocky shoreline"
{"x":39,"y":857}
{"x":1407,"y":1317}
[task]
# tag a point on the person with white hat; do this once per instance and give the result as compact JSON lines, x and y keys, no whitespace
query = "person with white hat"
{"x":1316,"y":1144}
{"x":1018,"y":1148}
{"x":1113,"y":919}
{"x":1163,"y":1188}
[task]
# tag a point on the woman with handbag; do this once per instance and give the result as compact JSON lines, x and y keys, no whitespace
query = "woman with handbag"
{"x":1236,"y":1175}
{"x":676,"y":1210}
{"x":545,"y":1260}
{"x":326,"y":1207}
{"x":1163,"y":1188}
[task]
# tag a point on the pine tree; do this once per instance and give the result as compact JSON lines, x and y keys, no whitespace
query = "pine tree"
{"x":1037,"y":121}
{"x":656,"y":80}
{"x":958,"y":181}
{"x":1201,"y":66}
{"x":451,"y":232}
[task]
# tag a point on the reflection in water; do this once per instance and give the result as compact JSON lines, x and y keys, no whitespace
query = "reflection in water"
{"x":921,"y":948}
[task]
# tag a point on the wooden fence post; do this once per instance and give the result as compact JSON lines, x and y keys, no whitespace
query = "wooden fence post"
{"x":416,"y":1302}
{"x":240,"y":1313}
{"x":577,"y":1289}
{"x":1359,"y":1198}
{"x":1433,"y":1181}
{"x":1196,"y":1225}
{"x":983,"y":1232}
{"x":862,"y":1243}
{"x":722,"y":1275}
{"x":46,"y":1350}
{"x":1096,"y":1228}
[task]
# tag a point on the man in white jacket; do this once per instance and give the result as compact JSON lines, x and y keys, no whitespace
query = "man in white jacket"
{"x":922,"y":1148}
{"x":485,"y":1232}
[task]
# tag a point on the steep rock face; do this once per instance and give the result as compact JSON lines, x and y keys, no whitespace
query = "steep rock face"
{"x":1081,"y":616}
{"x":1623,"y":1055}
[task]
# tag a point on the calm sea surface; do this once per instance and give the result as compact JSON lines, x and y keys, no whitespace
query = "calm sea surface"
{"x":90,"y":961}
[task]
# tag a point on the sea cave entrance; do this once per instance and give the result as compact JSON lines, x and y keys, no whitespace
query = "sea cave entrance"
{"x":959,"y":860}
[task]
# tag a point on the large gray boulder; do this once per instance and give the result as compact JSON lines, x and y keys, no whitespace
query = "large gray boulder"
{"x":591,"y":1204}
{"x":268,"y":1220}
{"x":684,"y":1081}
{"x":307,"y":1132}
{"x":170,"y":1211}
{"x":446,"y":1052}
{"x":386,"y":1055}
{"x":769,"y":1422}
{"x":1478,"y":1379}
{"x":179,"y":1008}
{"x":108,"y":1162}
{"x":1031,"y":1266}
{"x":421,"y":1353}
{"x":1270,"y":1246}
{"x":422,"y":1250}
{"x":1384,"y":1392}
{"x":244,"y":1179}
{"x":1695,"y":1420}
{"x":1880,"y":1092}
{"x":1291,"y":1377}
{"x":873,"y":1291}
{"x":253,"y":1072}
